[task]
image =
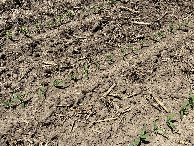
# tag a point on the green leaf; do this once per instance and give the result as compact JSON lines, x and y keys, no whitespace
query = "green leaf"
{"x":191,"y":100}
{"x":170,"y":117}
{"x":23,"y":105}
{"x":143,"y":131}
{"x":145,"y":136}
{"x":172,"y":125}
{"x":7,"y":104}
{"x":186,"y":105}
{"x":162,"y":131}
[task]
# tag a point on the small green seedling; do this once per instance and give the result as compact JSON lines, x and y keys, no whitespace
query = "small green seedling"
{"x":169,"y":122}
{"x":48,"y":24}
{"x":58,"y":83}
{"x":94,"y":8}
{"x":97,"y":64}
{"x":60,"y":18}
{"x":100,"y":5}
{"x":173,"y":27}
{"x":20,"y":98}
{"x":83,"y":10}
{"x":184,"y":24}
{"x":141,"y":138}
{"x":70,"y":13}
{"x":183,"y":109}
{"x":160,"y":34}
{"x":113,"y":1}
{"x":156,"y":129}
{"x":41,"y":91}
{"x":9,"y":36}
{"x":110,"y":59}
{"x":124,"y":53}
{"x":73,"y":76}
{"x":7,"y":104}
{"x":86,"y":70}
{"x":191,"y":100}
{"x":133,"y":49}
{"x":37,"y":29}
{"x":143,"y":42}
{"x":25,"y":31}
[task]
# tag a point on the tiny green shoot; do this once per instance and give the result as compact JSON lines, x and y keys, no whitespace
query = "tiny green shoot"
{"x":7,"y":104}
{"x":8,"y":35}
{"x":25,"y":31}
{"x":48,"y":24}
{"x":97,"y":64}
{"x":21,"y":98}
{"x":86,"y":70}
{"x":124,"y":53}
{"x":94,"y":8}
{"x":141,"y":138}
{"x":156,"y":129}
{"x":169,"y":122}
{"x":110,"y":59}
{"x":191,"y":100}
{"x":57,"y":83}
{"x":183,"y":109}
{"x":73,"y":76}
{"x":113,"y":1}
{"x":41,"y":91}
{"x":70,"y":13}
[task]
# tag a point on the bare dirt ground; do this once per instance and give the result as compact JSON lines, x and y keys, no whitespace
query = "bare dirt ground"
{"x":90,"y":73}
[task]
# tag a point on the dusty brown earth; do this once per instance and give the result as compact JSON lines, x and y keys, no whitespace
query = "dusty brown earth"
{"x":89,"y":73}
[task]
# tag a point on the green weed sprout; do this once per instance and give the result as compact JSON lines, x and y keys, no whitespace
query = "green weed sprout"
{"x":100,"y":5}
{"x":57,"y":83}
{"x":183,"y":109}
{"x":132,"y":46}
{"x":83,"y":10}
{"x":169,"y":122}
{"x":141,"y":138}
{"x":97,"y":64}
{"x":160,"y":34}
{"x":143,"y":42}
{"x":48,"y":24}
{"x":124,"y":53}
{"x":113,"y":1}
{"x":37,"y":28}
{"x":109,"y":58}
{"x":8,"y":35}
{"x":156,"y":129}
{"x":86,"y":70}
{"x":16,"y":97}
{"x":188,"y":103}
{"x":191,"y":100}
{"x":61,"y":17}
{"x":94,"y":8}
{"x":41,"y":91}
{"x":7,"y":104}
{"x":70,"y":13}
{"x":20,"y":98}
{"x":25,"y":31}
{"x":73,"y":76}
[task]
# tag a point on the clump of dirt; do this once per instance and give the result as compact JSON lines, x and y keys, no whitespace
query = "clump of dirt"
{"x":81,"y":72}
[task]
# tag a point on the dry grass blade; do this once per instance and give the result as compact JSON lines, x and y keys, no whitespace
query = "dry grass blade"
{"x":160,"y":103}
{"x":141,"y":23}
{"x":109,"y":90}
